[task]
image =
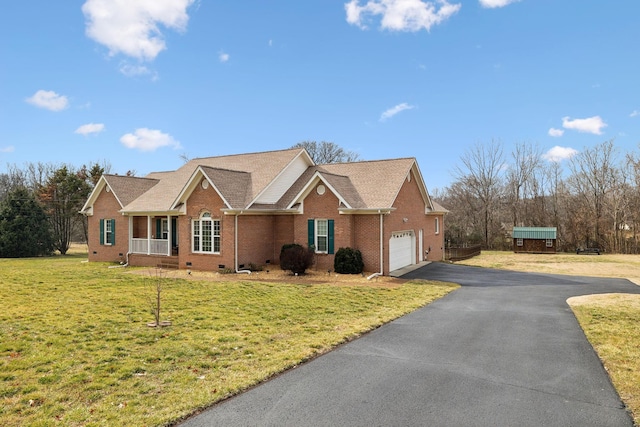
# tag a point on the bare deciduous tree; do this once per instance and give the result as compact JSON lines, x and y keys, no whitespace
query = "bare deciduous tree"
{"x":482,"y":177}
{"x":327,"y":152}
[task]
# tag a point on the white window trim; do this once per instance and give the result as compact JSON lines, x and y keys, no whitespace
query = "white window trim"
{"x":549,"y":243}
{"x":437,"y":226}
{"x":206,"y":216}
{"x":317,"y":235}
{"x":108,"y":232}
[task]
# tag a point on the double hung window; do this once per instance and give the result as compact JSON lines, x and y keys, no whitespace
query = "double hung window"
{"x":107,"y":231}
{"x":321,"y":235}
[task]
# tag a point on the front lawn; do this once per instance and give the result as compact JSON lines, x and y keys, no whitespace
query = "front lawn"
{"x":75,"y":348}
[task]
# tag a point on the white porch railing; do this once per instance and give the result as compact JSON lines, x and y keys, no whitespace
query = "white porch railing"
{"x":157,"y":246}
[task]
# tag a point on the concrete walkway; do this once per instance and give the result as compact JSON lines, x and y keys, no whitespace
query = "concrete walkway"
{"x":504,"y":350}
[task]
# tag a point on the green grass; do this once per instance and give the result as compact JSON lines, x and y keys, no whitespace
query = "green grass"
{"x":75,"y":348}
{"x":611,"y":322}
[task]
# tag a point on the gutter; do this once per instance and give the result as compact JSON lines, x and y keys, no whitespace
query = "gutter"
{"x":236,"y":246}
{"x":381,"y":273}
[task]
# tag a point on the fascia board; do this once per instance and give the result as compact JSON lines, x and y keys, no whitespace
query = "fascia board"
{"x":102,"y":182}
{"x":317,"y":176}
{"x":191,"y":185}
{"x":308,"y":161}
{"x":368,"y":211}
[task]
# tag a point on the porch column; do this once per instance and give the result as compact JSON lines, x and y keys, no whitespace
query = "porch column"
{"x":130,"y":234}
{"x":168,"y":235}
{"x":148,"y":234}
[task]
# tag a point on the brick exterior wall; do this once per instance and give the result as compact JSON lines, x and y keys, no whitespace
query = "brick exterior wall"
{"x":206,"y":200}
{"x":261,"y":237}
{"x":410,"y":207}
{"x":324,"y":206}
{"x":367,"y":240}
{"x":107,"y":207}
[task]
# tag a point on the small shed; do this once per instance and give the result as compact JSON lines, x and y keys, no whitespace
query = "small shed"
{"x":537,"y":240}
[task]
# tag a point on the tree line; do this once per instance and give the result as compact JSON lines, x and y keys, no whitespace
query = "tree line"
{"x":594,"y":201}
{"x":40,"y":207}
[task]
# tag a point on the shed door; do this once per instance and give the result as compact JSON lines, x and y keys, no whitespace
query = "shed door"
{"x":401,"y":249}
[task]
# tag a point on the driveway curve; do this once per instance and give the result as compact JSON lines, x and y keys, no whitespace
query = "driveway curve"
{"x":503,"y":350}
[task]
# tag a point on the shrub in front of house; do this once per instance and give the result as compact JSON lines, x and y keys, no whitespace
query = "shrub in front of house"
{"x":348,"y":261}
{"x":295,"y":258}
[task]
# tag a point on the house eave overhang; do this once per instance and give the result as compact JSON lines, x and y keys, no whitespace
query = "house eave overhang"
{"x":172,"y":212}
{"x":191,"y":184}
{"x":317,"y":177}
{"x":261,"y":211}
{"x":365,"y":211}
{"x":87,"y":209}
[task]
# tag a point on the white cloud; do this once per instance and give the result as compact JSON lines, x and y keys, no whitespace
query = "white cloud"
{"x":401,"y":15}
{"x":130,"y":70}
{"x":8,"y":149}
{"x":491,"y":4}
{"x":132,"y":27}
{"x":395,"y":110}
{"x":223,"y":57}
{"x":144,"y":139}
{"x":90,"y":128}
{"x":592,"y":125}
{"x":556,"y":133}
{"x":49,"y":100}
{"x":635,"y":113}
{"x":558,"y":154}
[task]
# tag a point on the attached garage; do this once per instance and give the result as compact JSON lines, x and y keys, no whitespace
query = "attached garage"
{"x":402,"y":249}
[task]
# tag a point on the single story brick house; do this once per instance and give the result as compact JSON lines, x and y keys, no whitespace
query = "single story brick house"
{"x":236,"y":210}
{"x":534,"y":239}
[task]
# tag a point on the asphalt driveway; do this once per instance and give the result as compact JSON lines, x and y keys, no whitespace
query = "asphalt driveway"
{"x":503,"y":350}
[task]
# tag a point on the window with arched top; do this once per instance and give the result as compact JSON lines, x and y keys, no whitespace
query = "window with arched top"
{"x":205,"y":232}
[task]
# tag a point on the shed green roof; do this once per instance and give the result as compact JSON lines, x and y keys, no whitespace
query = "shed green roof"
{"x":534,"y":232}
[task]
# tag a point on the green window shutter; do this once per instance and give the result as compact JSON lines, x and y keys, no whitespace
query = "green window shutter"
{"x":158,"y":228}
{"x":102,"y":231}
{"x":174,"y":232}
{"x":311,"y":232}
{"x":330,"y":237}
{"x":113,"y":231}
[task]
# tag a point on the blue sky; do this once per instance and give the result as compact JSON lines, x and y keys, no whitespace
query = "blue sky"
{"x":142,"y":83}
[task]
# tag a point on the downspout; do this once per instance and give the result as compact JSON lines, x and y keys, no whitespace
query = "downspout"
{"x":236,"y":247}
{"x":126,"y":264}
{"x":381,"y":273}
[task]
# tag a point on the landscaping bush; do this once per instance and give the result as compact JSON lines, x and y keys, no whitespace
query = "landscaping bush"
{"x":295,"y":258}
{"x":348,"y":261}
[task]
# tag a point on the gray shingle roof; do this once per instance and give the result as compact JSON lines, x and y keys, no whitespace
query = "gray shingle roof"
{"x":262,"y":167}
{"x":129,"y":188}
{"x":241,"y":178}
{"x":377,"y":182}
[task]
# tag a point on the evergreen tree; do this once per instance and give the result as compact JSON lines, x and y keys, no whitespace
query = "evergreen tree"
{"x":63,"y":195}
{"x":24,"y":226}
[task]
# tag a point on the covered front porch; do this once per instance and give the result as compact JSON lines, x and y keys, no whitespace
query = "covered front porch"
{"x":153,"y":235}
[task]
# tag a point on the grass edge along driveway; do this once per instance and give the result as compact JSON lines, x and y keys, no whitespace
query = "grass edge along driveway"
{"x":75,"y":348}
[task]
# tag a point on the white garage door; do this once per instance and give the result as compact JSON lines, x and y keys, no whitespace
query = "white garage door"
{"x":401,"y":249}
